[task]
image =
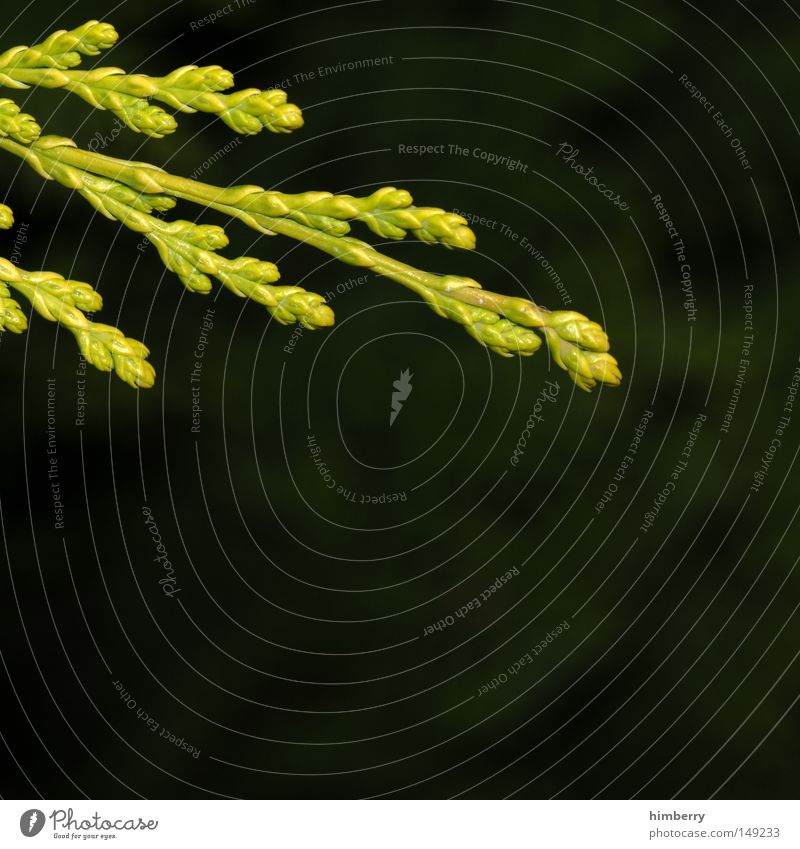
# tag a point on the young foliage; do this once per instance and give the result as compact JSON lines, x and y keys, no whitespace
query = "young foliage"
{"x":130,"y":192}
{"x":67,"y":301}
{"x":52,"y":63}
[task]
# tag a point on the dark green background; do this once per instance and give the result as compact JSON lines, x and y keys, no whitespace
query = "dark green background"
{"x":293,"y":656}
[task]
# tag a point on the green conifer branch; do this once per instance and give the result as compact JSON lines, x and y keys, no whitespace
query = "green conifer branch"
{"x":388,"y":212}
{"x":6,"y":217}
{"x":186,"y":248}
{"x":61,"y":49}
{"x":11,"y":316}
{"x":186,"y":89}
{"x":17,"y":125}
{"x":189,"y":250}
{"x":502,"y":323}
{"x":130,"y":192}
{"x":66,"y":301}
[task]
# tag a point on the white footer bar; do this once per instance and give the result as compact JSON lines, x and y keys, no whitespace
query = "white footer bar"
{"x":402,"y":824}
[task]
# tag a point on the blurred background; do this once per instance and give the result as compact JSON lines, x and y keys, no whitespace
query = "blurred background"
{"x":311,"y":635}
